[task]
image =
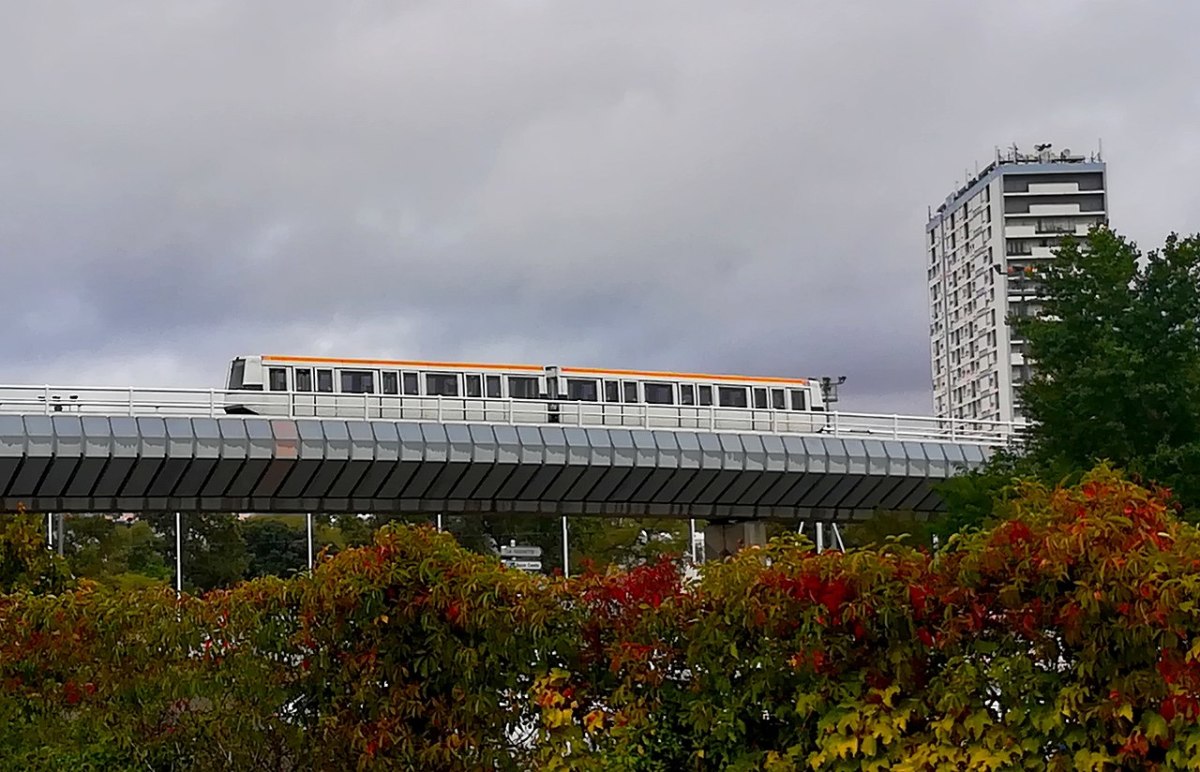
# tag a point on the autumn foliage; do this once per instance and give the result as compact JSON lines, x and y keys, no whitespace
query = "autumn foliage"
{"x":1068,"y":637}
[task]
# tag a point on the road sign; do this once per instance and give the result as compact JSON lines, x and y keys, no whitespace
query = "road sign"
{"x":519,"y":551}
{"x":524,"y":565}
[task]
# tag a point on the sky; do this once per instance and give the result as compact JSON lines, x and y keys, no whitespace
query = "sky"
{"x":702,"y":186}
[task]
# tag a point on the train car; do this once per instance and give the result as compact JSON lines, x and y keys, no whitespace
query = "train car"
{"x":514,"y":393}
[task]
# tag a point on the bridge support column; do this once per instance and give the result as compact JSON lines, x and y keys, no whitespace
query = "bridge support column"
{"x":723,"y":538}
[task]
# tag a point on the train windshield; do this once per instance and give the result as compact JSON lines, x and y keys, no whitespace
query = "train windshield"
{"x":236,"y":373}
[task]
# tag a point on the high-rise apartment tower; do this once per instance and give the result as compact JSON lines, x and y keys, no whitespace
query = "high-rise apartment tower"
{"x":983,"y":248}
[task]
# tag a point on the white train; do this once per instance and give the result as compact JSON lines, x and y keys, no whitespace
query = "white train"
{"x":505,"y":393}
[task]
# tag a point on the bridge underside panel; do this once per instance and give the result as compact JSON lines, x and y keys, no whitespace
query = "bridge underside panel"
{"x":102,"y":464}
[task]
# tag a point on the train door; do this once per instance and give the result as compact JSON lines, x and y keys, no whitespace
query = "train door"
{"x":325,"y":399}
{"x":493,"y":396}
{"x":411,"y":407}
{"x":554,"y":392}
{"x":304,"y":401}
{"x":277,"y":392}
{"x":473,"y":404}
{"x":443,"y":392}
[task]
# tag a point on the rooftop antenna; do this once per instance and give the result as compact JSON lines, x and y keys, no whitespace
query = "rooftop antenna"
{"x":1100,"y":149}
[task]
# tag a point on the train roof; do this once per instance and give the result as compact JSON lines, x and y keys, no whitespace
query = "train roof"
{"x":664,"y":374}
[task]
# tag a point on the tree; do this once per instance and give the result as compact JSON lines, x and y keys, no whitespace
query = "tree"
{"x":214,"y":552}
{"x":25,"y":562}
{"x":1116,"y":360}
{"x":277,"y":546}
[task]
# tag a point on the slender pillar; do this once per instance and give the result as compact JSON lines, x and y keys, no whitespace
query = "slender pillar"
{"x":837,"y":536}
{"x":178,"y":553}
{"x":820,"y":537}
{"x":566,"y":552}
{"x":692,"y":539}
{"x":308,"y":519}
{"x":439,"y":522}
{"x":62,"y":533}
{"x":49,"y":530}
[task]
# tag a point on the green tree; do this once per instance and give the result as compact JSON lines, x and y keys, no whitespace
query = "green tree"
{"x":25,"y":562}
{"x":214,"y":551}
{"x":277,"y":546}
{"x":1116,"y":358}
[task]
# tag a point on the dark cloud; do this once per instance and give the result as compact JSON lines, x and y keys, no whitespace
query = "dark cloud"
{"x":681,"y":185}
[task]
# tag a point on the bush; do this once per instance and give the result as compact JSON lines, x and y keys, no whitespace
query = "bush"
{"x":1066,"y":637}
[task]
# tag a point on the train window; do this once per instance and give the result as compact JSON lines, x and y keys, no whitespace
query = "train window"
{"x":612,"y":391}
{"x":302,"y":379}
{"x":799,"y":399}
{"x":410,"y":382}
{"x":277,"y":379}
{"x":237,"y":373}
{"x":582,"y":390}
{"x":731,"y":396}
{"x":706,"y":395}
{"x":358,"y":382}
{"x":760,"y":399}
{"x":474,"y":385}
{"x":389,"y":382}
{"x":659,"y":393}
{"x":493,"y":386}
{"x":687,"y":394}
{"x":441,"y":384}
{"x":325,"y":380}
{"x":522,"y":387}
{"x":629,"y":390}
{"x":778,"y":399}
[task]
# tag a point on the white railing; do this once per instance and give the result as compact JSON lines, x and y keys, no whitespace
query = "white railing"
{"x":215,"y":403}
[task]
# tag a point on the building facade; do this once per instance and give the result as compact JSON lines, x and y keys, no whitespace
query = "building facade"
{"x":983,"y":249}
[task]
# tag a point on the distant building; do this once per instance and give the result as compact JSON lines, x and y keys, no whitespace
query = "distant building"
{"x":983,"y":246}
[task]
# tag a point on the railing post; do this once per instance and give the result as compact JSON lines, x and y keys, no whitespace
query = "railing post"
{"x":895,"y":426}
{"x":212,"y":403}
{"x":439,"y":408}
{"x":46,"y":399}
{"x":131,"y":400}
{"x":953,"y":433}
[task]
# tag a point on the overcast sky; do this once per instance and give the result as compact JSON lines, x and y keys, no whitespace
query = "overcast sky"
{"x":717,"y":186}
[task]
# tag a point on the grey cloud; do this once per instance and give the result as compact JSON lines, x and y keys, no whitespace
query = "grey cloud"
{"x":715,"y":186}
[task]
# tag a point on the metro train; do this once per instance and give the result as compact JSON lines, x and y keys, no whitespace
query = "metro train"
{"x":507,"y":393}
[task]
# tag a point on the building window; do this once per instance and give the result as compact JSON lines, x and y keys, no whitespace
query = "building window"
{"x":687,"y":394}
{"x":412,"y":384}
{"x":778,"y":399}
{"x":760,"y":399}
{"x":389,"y":382}
{"x":706,"y":395}
{"x":493,"y":386}
{"x":474,"y":384}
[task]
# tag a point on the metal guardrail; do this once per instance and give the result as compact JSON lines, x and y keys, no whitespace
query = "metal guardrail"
{"x":214,"y":403}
